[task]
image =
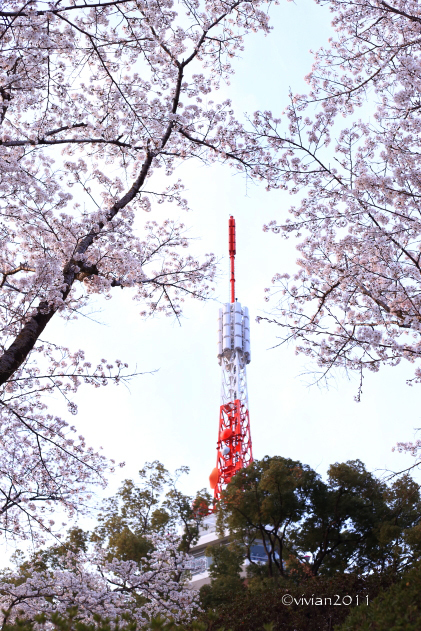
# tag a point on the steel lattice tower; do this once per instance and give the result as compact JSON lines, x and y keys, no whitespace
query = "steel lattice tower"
{"x":234,"y":449}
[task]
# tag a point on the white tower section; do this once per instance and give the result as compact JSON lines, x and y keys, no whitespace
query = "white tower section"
{"x":234,"y":352}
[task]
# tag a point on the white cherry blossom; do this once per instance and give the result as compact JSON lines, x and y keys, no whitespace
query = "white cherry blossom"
{"x":111,"y":589}
{"x":100,"y":100}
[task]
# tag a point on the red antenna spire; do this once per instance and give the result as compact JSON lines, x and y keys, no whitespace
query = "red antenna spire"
{"x":231,"y":250}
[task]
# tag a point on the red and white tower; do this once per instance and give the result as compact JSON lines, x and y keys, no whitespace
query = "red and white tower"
{"x":234,"y":449}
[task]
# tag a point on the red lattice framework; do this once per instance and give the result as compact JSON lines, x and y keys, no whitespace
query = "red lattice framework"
{"x":234,"y":431}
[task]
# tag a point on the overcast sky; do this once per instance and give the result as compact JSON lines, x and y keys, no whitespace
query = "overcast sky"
{"x":172,"y":415}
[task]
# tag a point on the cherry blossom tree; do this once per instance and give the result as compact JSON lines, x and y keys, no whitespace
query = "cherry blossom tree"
{"x":100,"y":101}
{"x":351,"y":155}
{"x":124,"y":590}
{"x":132,"y":567}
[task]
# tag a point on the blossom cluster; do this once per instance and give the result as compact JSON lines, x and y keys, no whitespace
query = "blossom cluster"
{"x":351,"y":154}
{"x":98,"y":102}
{"x":96,"y":586}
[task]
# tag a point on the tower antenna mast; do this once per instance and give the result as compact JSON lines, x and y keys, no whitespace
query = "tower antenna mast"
{"x":231,"y":250}
{"x":234,"y":449}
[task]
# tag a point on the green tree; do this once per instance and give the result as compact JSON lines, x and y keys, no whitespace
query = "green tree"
{"x":260,"y":603}
{"x":395,"y":609}
{"x":154,"y":505}
{"x":263,"y":503}
{"x":359,"y":523}
{"x":225,"y":572}
{"x":352,"y":522}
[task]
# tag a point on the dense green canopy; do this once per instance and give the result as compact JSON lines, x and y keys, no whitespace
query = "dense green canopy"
{"x":353,"y":521}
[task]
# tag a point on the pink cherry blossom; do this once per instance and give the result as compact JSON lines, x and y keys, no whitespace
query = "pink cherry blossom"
{"x":349,"y":150}
{"x":110,"y":589}
{"x":100,"y":101}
